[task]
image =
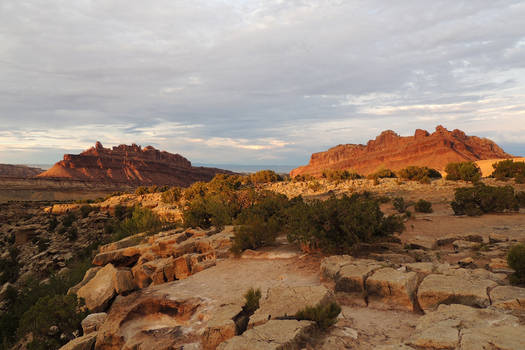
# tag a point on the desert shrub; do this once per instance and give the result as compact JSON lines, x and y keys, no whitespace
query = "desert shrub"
{"x":421,"y":174}
{"x":173,"y":195}
{"x":382,"y":174}
{"x":423,"y":206}
{"x":314,"y":185}
{"x":480,"y":199}
{"x":509,"y":169}
{"x":260,"y":224}
{"x":334,"y":175}
{"x":85,"y":210}
{"x":42,"y":243}
{"x":52,"y":224}
{"x":336,"y":224}
{"x":68,"y":219}
{"x":516,"y":261}
{"x":72,"y":233}
{"x":265,"y":176}
{"x":302,"y":178}
{"x":59,"y":310}
{"x":141,"y":220}
{"x":196,"y":190}
{"x":466,"y":171}
{"x":520,"y":197}
{"x":9,"y":267}
{"x":399,"y":204}
{"x":323,"y":314}
{"x":207,"y":211}
{"x":251,"y":297}
{"x":122,"y":212}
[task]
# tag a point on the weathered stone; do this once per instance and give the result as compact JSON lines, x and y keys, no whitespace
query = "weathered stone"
{"x":182,"y":269}
{"x":497,"y":238}
{"x":85,"y":342}
{"x":123,"y":281}
{"x":392,"y":289}
{"x":93,"y":322}
{"x":464,"y":245}
{"x":199,"y":262}
{"x":425,"y":268}
{"x":221,"y":326}
{"x":499,"y":265}
{"x":331,"y":265}
{"x":142,"y":275}
{"x":352,"y":277}
{"x":458,"y":326}
{"x":120,"y":257}
{"x":88,"y":276}
{"x":5,"y":290}
{"x":442,"y":289}
{"x":508,"y":298}
{"x":273,"y":335}
{"x":287,"y":301}
{"x":99,"y":291}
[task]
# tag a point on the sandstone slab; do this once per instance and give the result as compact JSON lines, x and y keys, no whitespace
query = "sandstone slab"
{"x":443,"y":289}
{"x":331,"y":265}
{"x":221,"y":326}
{"x":287,"y":301}
{"x":100,"y":290}
{"x":85,"y":342}
{"x":508,"y":298}
{"x":273,"y":335}
{"x":93,"y":322}
{"x":392,"y":289}
{"x":352,"y":277}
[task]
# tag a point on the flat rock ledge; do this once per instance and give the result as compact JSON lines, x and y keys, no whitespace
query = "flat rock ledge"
{"x":273,"y":335}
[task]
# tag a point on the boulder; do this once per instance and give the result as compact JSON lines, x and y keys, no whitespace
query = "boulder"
{"x":85,"y":342}
{"x":221,"y":326}
{"x":464,"y":245}
{"x":123,"y":281}
{"x":443,"y":289}
{"x":93,"y":322}
{"x":287,"y":301}
{"x":88,"y":276}
{"x":392,"y":289}
{"x":273,"y":335}
{"x":4,"y":291}
{"x":100,"y":290}
{"x":182,"y":267}
{"x":508,"y":298}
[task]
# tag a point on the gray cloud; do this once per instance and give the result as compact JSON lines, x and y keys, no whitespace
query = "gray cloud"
{"x":254,"y":81}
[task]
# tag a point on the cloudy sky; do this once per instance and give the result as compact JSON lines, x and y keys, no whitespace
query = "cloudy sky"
{"x":255,"y":82}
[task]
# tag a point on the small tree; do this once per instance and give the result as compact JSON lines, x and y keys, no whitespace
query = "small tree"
{"x":423,"y":206}
{"x":466,"y":171}
{"x":516,"y":260}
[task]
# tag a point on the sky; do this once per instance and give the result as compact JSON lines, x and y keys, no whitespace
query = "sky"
{"x":255,"y":82}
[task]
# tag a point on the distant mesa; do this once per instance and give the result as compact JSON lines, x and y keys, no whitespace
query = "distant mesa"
{"x":131,"y":165}
{"x":18,"y":171}
{"x":389,"y":150}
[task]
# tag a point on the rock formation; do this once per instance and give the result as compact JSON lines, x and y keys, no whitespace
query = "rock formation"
{"x":389,"y":150}
{"x":20,"y":171}
{"x":131,"y":165}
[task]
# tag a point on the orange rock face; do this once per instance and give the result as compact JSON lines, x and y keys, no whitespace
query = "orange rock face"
{"x":130,"y":164}
{"x":389,"y":150}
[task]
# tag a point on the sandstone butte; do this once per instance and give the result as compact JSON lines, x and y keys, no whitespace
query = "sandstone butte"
{"x":18,"y":171}
{"x":389,"y":150}
{"x":131,"y":165}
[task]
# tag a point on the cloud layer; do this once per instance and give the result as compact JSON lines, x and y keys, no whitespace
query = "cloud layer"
{"x":258,"y":82}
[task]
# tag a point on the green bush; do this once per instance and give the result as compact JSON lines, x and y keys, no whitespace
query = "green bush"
{"x":516,"y":261}
{"x":9,"y":267}
{"x":302,"y":178}
{"x":171,"y":196}
{"x":207,"y":211}
{"x":252,"y":297}
{"x":382,"y":174}
{"x":323,"y":314}
{"x":520,"y":197}
{"x":400,"y":205}
{"x":336,"y":224}
{"x":265,"y":176}
{"x":466,"y":171}
{"x":423,"y":206}
{"x":335,"y":175}
{"x":196,"y":190}
{"x":68,"y":219}
{"x":480,"y":199}
{"x":59,"y":310}
{"x":421,"y":174}
{"x":52,"y":224}
{"x":85,"y":210}
{"x":509,"y":169}
{"x":141,"y":220}
{"x":72,"y":233}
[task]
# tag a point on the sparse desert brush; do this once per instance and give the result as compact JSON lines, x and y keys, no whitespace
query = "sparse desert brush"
{"x":302,"y":178}
{"x":265,"y":176}
{"x":480,"y":199}
{"x":520,"y":197}
{"x":141,"y":220}
{"x":314,"y":185}
{"x":172,"y":195}
{"x":423,"y":206}
{"x":251,"y":297}
{"x":382,"y":174}
{"x":400,"y":204}
{"x":466,"y":171}
{"x":507,"y":169}
{"x":334,"y":175}
{"x":421,"y":174}
{"x":516,"y":260}
{"x":323,"y":314}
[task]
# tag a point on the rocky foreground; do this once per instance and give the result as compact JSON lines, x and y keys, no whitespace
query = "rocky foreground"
{"x":180,"y":289}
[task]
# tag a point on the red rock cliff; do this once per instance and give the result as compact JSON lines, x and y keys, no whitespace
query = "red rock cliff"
{"x":130,"y":164}
{"x":389,"y":150}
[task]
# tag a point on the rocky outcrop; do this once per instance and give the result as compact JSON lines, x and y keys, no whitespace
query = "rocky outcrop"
{"x":18,"y":171}
{"x":392,"y":151}
{"x":130,"y":165}
{"x":273,"y":335}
